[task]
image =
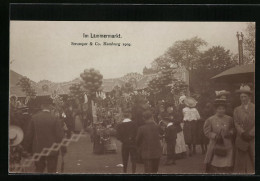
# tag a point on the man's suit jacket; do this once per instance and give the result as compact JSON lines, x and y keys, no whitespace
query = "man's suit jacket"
{"x":44,"y":130}
{"x":148,"y":141}
{"x":170,"y":134}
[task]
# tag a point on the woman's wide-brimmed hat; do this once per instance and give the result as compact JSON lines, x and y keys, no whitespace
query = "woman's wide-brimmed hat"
{"x":181,"y":99}
{"x":222,"y":93}
{"x":244,"y":89}
{"x":16,"y":135}
{"x":220,"y":102}
{"x":190,"y":102}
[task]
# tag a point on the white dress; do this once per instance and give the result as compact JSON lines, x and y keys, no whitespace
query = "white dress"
{"x":180,"y":146}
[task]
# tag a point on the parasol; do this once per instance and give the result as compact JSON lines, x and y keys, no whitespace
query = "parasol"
{"x":237,"y":74}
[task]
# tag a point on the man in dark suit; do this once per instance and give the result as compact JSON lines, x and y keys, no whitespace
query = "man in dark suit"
{"x":170,"y":138}
{"x":44,"y":130}
{"x":149,"y":142}
{"x":126,"y":133}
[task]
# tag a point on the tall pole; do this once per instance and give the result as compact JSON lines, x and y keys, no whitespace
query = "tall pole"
{"x":240,"y":38}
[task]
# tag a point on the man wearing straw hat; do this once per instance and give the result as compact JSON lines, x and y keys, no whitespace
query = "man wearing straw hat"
{"x":44,"y":130}
{"x":16,"y":151}
{"x":244,"y":119}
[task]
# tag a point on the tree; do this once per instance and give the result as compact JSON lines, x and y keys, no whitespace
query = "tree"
{"x":165,"y":85}
{"x":212,"y":61}
{"x":76,"y":92}
{"x":216,"y":58}
{"x":185,"y":52}
{"x":147,"y":71}
{"x":92,"y":81}
{"x":249,"y":43}
{"x":160,"y":62}
{"x":25,"y":84}
{"x":127,"y":88}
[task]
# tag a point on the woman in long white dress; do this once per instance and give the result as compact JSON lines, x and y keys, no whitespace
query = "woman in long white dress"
{"x":180,"y":147}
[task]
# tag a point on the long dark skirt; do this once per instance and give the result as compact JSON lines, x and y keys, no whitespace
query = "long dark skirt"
{"x":190,"y":131}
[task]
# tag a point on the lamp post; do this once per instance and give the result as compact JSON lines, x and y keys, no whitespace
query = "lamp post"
{"x":240,"y":38}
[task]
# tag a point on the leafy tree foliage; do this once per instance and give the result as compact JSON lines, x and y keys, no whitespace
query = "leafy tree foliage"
{"x":249,"y":43}
{"x":185,"y":52}
{"x":216,"y":58}
{"x":76,"y":92}
{"x":25,"y":84}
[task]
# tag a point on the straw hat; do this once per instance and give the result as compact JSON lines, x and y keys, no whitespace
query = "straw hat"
{"x":190,"y":102}
{"x":222,"y":93}
{"x":15,"y":135}
{"x":244,"y":89}
{"x":181,"y":99}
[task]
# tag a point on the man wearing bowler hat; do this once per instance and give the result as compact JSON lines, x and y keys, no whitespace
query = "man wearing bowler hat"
{"x":44,"y":130}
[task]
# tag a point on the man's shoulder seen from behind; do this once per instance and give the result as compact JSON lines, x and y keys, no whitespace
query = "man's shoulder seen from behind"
{"x":148,"y":125}
{"x":42,"y":114}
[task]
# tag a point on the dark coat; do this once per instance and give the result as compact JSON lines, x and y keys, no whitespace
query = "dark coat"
{"x":170,"y":134}
{"x":126,"y":133}
{"x":44,"y":130}
{"x":148,"y":141}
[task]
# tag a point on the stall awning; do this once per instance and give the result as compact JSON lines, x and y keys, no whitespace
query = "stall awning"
{"x":237,"y":74}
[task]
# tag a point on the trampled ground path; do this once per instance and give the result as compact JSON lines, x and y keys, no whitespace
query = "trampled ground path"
{"x":80,"y":159}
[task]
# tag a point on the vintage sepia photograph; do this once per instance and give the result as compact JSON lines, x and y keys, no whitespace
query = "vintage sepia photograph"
{"x":131,"y":97}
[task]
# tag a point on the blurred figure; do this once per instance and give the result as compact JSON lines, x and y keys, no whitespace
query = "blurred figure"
{"x":68,"y":119}
{"x":149,"y":142}
{"x":162,"y":126}
{"x":98,"y":145}
{"x":244,"y":119}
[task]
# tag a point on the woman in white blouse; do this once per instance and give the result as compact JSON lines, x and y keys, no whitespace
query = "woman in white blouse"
{"x":190,"y":118}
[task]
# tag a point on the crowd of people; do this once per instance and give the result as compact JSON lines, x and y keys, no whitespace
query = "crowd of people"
{"x":34,"y":127}
{"x":227,"y":141}
{"x":226,"y":136}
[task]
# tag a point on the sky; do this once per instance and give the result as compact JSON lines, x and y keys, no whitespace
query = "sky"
{"x":42,"y":50}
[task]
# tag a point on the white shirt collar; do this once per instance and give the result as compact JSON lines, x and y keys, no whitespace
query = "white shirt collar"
{"x":246,"y":105}
{"x":169,"y":124}
{"x":126,"y":120}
